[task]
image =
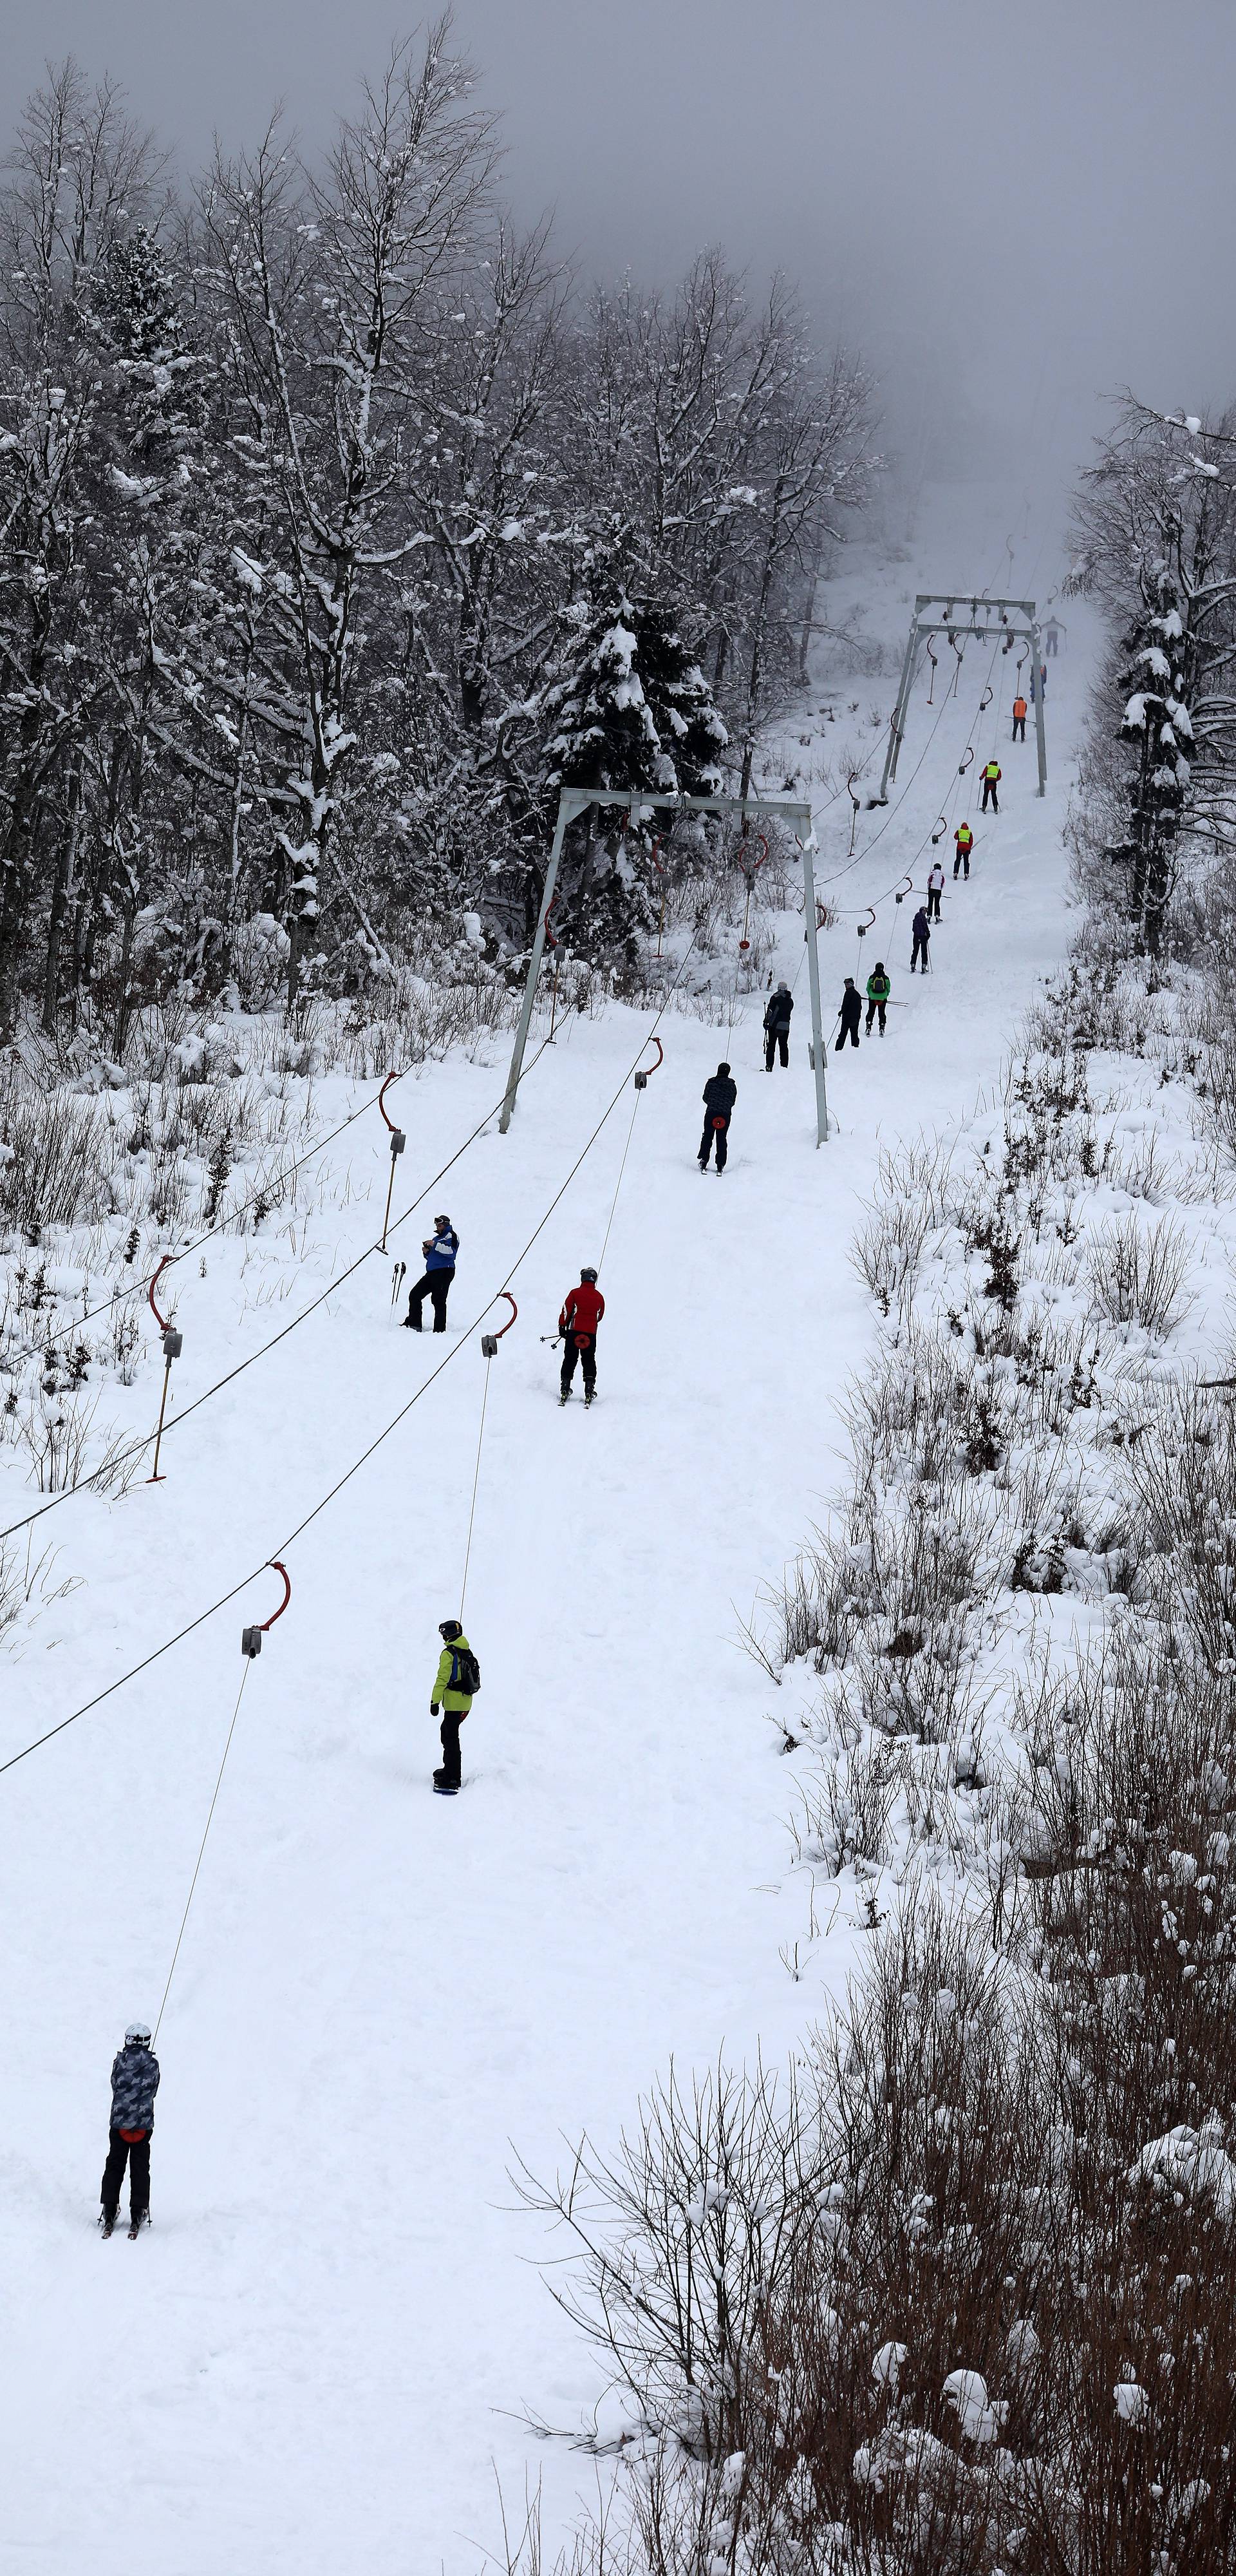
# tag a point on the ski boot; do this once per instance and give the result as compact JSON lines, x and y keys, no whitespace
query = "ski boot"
{"x":106,"y":2224}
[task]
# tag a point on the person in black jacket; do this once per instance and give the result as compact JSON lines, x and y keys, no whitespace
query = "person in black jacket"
{"x":135,"y":2082}
{"x":850,"y":1014}
{"x":720,"y":1094}
{"x":777,"y":1025}
{"x":922,"y":939}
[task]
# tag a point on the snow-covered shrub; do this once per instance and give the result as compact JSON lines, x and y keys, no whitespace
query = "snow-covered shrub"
{"x":1137,"y":1273}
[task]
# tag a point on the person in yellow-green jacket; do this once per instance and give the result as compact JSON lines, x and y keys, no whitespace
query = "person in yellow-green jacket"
{"x":456,"y":1683}
{"x":878,"y":990}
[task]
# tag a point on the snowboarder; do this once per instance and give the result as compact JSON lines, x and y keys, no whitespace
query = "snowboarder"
{"x":777,"y":1025}
{"x":440,"y":1252}
{"x":456,"y":1682}
{"x":922,"y":940}
{"x":850,"y":1014}
{"x":720,"y":1094}
{"x":935,"y":888}
{"x":964,"y":838}
{"x":992,"y":775}
{"x":1019,"y":719}
{"x":878,"y":990}
{"x":582,"y":1309}
{"x":135,"y":2082}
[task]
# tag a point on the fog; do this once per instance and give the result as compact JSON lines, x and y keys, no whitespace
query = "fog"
{"x":1012,"y":211}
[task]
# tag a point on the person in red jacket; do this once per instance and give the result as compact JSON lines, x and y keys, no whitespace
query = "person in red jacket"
{"x":582,"y":1309}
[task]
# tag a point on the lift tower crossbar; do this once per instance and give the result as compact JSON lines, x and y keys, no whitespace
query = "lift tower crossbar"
{"x":573,"y":801}
{"x":990,"y":621}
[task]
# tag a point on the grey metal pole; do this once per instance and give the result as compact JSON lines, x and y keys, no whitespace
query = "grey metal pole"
{"x":1040,"y":728}
{"x":903,"y":700}
{"x":813,"y":978}
{"x":567,"y":803}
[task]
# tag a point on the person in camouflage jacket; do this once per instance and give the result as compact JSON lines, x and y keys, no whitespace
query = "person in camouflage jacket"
{"x":135,"y":2082}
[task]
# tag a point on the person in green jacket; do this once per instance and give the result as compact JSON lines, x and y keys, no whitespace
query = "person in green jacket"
{"x":878,"y":990}
{"x":451,"y":1702}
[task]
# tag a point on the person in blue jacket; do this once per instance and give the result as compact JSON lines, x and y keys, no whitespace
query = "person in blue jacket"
{"x":439,"y":1254}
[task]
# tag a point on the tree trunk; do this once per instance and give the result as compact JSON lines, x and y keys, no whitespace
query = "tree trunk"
{"x":62,"y":897}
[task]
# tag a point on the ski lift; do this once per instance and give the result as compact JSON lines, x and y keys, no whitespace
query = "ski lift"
{"x":641,"y":1078}
{"x":490,"y":1341}
{"x":960,"y":651}
{"x":750,"y":869}
{"x":551,"y":942}
{"x":963,"y":765}
{"x":940,"y":829}
{"x":862,"y":927}
{"x":986,"y":699}
{"x":173,"y":1345}
{"x":251,"y":1638}
{"x":661,"y":873}
{"x":398,"y":1141}
{"x":900,"y":892}
{"x":933,"y":658}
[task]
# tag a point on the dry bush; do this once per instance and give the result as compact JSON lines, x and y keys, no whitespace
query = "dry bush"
{"x":54,"y":1164}
{"x":1137,"y":1273}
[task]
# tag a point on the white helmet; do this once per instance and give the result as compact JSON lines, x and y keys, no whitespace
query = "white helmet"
{"x":137,"y":2035}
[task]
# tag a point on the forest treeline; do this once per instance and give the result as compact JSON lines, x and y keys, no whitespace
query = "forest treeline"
{"x":340,"y":523}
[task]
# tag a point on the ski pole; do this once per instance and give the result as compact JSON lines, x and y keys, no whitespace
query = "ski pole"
{"x":398,"y":1277}
{"x":553,"y":1339}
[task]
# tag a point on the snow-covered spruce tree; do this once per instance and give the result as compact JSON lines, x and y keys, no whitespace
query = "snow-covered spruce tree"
{"x":1156,"y":538}
{"x":634,"y":712}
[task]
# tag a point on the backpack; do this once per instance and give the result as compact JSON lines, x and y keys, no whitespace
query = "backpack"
{"x":465,"y":1671}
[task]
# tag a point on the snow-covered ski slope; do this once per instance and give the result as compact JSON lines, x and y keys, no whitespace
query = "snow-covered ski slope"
{"x":319,"y":2354}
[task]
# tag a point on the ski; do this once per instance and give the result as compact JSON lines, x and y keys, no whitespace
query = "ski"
{"x":137,"y":2225}
{"x":441,"y":1789}
{"x":106,"y":2226}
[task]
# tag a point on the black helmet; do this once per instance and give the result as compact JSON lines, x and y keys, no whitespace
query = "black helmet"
{"x":449,"y":1629}
{"x":590,"y":1275}
{"x":879,"y":966}
{"x":723,"y":1068}
{"x":442,"y":1220}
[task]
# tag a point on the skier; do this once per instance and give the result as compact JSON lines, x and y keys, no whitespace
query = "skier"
{"x":992,"y":775}
{"x":582,"y":1309}
{"x":964,"y":838}
{"x":935,"y":888}
{"x":777,"y":1025}
{"x":850,"y":1014}
{"x":720,"y":1094}
{"x":922,"y":940}
{"x":135,"y":2082}
{"x":1019,"y":719}
{"x":440,"y":1252}
{"x":878,"y":990}
{"x":456,"y":1683}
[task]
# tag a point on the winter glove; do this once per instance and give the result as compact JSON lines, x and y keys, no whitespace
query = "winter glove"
{"x":433,"y":1708}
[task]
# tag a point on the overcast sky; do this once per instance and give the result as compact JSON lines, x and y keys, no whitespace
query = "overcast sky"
{"x":1013,"y":207}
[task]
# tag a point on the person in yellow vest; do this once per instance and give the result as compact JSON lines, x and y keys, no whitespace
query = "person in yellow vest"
{"x":992,"y":775}
{"x":1019,"y":719}
{"x":964,"y":838}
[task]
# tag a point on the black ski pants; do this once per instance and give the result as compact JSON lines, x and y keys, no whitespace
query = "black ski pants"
{"x":848,"y":1029}
{"x":933,"y":902}
{"x":989,"y":790}
{"x":961,"y":861}
{"x":452,"y":1720}
{"x":872,"y":1008}
{"x":581,"y":1347}
{"x":1019,"y":728}
{"x":921,"y":947}
{"x":436,"y":1285}
{"x":718,"y":1136}
{"x":774,"y":1038}
{"x":136,"y":2155}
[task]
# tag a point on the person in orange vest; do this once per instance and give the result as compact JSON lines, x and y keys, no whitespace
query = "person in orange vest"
{"x":992,"y":775}
{"x":1019,"y":719}
{"x":964,"y":838}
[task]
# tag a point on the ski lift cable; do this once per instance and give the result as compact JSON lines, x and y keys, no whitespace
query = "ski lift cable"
{"x":194,"y":1243}
{"x":641,"y":1085}
{"x":893,"y":811}
{"x":111,"y":1467}
{"x":489,"y":1346}
{"x":250,"y":1652}
{"x":325,"y":1500}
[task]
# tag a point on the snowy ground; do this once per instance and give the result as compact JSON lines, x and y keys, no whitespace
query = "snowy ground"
{"x":319,"y":2356}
